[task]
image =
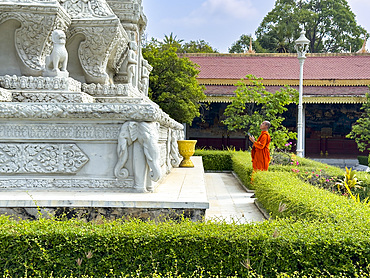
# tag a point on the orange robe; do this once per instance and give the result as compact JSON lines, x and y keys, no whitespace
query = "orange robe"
{"x":261,"y":153}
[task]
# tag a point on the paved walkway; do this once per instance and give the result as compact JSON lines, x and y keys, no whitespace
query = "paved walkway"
{"x":229,"y":201}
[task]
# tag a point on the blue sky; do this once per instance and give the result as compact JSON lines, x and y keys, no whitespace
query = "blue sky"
{"x":219,"y":22}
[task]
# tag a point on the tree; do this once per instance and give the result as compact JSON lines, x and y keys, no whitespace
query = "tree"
{"x":199,"y":46}
{"x":361,"y":129}
{"x":173,"y":85}
{"x":330,"y":26}
{"x":172,"y":40}
{"x":252,"y":105}
{"x":243,"y":43}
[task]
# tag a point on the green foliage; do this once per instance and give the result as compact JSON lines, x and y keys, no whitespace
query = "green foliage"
{"x":199,"y":46}
{"x":363,"y":160}
{"x":280,"y":248}
{"x":242,"y":166}
{"x":330,"y":26}
{"x":173,"y":85}
{"x":312,"y":233}
{"x":172,"y":40}
{"x":243,"y":43}
{"x":350,"y":180}
{"x":252,"y":105}
{"x":216,"y":160}
{"x":361,"y":129}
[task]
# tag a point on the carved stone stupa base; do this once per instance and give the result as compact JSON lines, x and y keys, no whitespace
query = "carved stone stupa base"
{"x":64,"y":140}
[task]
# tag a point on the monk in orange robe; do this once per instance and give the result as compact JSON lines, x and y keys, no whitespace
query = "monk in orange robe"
{"x":260,"y":151}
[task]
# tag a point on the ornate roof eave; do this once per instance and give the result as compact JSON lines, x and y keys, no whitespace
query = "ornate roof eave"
{"x":290,"y":82}
{"x":306,"y":99}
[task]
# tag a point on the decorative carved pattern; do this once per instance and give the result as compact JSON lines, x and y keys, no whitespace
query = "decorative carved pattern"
{"x":127,"y":11}
{"x":120,"y":50}
{"x":110,"y":90}
{"x":119,"y":100}
{"x":78,"y":9}
{"x":32,"y":39}
{"x":30,"y":83}
{"x":59,"y":131}
{"x":95,"y":51}
{"x":28,"y":183}
{"x":163,"y":151}
{"x":174,"y":154}
{"x":53,"y":97}
{"x":5,"y":95}
{"x":123,"y":112}
{"x":41,"y":158}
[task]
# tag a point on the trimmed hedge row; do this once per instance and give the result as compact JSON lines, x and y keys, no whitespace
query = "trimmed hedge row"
{"x":214,"y":160}
{"x":363,"y":160}
{"x":304,"y":201}
{"x":117,"y":249}
{"x":319,"y":234}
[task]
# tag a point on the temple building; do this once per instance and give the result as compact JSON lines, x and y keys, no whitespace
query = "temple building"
{"x":334,"y":90}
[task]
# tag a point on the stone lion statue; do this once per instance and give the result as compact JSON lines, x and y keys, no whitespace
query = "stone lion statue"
{"x":56,"y":62}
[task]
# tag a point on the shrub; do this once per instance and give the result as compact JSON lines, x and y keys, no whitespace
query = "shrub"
{"x":363,"y":160}
{"x":242,"y":166}
{"x":312,"y":233}
{"x":217,"y":249}
{"x":214,"y":160}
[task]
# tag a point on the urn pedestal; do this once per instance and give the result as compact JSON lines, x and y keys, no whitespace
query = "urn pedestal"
{"x":186,"y":150}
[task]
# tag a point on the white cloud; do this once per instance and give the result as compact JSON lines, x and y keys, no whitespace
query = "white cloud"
{"x":234,"y":9}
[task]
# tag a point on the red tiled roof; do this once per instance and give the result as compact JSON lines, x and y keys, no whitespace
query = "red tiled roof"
{"x":228,"y":90}
{"x":283,"y":67}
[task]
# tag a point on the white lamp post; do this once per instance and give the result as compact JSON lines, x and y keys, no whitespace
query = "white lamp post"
{"x":301,"y":46}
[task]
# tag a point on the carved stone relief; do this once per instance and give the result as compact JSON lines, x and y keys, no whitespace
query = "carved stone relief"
{"x":28,"y":183}
{"x":143,"y":138}
{"x":52,"y":97}
{"x":95,"y":51}
{"x":32,"y":39}
{"x":123,"y":112}
{"x":119,"y":118}
{"x":5,"y":95}
{"x":99,"y":55}
{"x":78,"y":9}
{"x":29,"y":83}
{"x":59,"y":131}
{"x":41,"y":158}
{"x":56,"y":62}
{"x":110,"y":90}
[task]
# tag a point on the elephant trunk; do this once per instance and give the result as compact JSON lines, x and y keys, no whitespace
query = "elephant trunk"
{"x":155,"y":173}
{"x":152,"y":154}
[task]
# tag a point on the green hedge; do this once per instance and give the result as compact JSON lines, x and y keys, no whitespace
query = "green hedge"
{"x":242,"y":166}
{"x":304,"y":201}
{"x":319,"y":234}
{"x":214,"y":160}
{"x":363,"y":160}
{"x":288,"y":246}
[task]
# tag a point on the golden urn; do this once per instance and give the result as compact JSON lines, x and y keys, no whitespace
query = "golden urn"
{"x":186,"y":149}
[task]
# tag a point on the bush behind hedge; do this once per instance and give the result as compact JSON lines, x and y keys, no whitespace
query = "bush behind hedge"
{"x":363,"y":160}
{"x":214,"y":160}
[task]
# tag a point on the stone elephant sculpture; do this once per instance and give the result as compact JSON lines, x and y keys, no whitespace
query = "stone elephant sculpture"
{"x":142,"y":137}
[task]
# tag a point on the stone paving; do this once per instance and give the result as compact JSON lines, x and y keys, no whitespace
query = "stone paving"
{"x":229,"y":201}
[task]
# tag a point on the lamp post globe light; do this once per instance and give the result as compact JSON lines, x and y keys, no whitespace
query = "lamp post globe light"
{"x":301,"y":46}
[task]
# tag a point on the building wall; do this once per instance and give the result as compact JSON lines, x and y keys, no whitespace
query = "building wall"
{"x":326,"y":128}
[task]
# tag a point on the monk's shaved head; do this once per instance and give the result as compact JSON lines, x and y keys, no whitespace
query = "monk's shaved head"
{"x":267,"y":123}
